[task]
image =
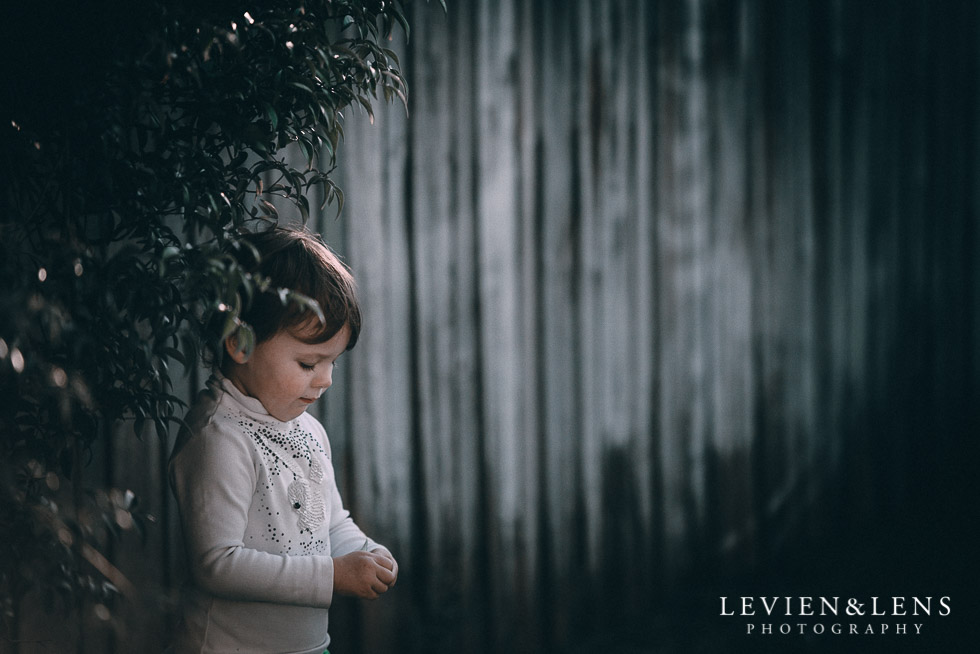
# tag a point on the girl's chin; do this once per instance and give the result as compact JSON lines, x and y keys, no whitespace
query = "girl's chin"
{"x":291,"y":415}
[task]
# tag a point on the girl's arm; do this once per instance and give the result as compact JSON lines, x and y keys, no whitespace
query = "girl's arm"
{"x":214,"y":477}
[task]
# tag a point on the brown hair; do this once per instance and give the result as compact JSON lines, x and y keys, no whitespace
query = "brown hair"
{"x":297,"y":260}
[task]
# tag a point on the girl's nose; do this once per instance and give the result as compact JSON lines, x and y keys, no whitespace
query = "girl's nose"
{"x":323,"y":381}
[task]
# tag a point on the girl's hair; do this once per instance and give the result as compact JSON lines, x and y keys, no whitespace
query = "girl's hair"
{"x":298,"y":260}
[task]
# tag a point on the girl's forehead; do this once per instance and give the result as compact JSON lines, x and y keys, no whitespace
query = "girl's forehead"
{"x":305,"y":339}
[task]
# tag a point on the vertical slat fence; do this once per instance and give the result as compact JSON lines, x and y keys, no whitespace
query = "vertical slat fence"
{"x":682,"y":232}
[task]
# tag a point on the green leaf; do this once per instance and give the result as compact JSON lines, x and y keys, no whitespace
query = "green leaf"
{"x":231,"y":325}
{"x":176,"y":354}
{"x":273,"y":117}
{"x":404,"y":23}
{"x":245,"y":340}
{"x":304,"y":301}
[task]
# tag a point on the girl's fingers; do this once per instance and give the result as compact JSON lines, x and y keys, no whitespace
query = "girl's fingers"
{"x":387,"y":577}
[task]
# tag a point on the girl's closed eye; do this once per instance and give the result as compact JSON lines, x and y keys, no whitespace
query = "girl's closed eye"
{"x":307,"y":366}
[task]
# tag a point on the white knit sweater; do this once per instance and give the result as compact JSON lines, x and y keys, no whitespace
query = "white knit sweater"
{"x":261,"y":517}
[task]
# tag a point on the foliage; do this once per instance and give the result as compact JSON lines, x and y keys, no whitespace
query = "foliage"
{"x":140,"y":139}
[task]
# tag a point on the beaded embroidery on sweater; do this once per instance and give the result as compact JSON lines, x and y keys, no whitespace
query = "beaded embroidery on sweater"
{"x":286,"y":451}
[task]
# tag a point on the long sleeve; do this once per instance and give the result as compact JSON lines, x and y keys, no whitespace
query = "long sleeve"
{"x":215,"y":476}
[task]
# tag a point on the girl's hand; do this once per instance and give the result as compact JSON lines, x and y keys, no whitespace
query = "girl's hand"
{"x":383,"y":551}
{"x":364,"y":574}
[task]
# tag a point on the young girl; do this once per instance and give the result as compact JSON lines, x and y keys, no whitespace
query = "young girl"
{"x":268,"y":540}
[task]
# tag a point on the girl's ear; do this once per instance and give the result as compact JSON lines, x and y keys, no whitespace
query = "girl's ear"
{"x":237,"y":354}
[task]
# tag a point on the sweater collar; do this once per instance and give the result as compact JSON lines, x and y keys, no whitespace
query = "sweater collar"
{"x":250,"y":405}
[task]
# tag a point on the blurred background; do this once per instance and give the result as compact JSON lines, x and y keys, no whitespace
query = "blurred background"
{"x":664,"y":301}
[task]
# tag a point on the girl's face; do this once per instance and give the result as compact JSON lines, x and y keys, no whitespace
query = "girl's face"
{"x":285,"y":374}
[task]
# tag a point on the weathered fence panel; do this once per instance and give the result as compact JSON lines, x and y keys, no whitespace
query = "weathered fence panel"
{"x":661,"y":254}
